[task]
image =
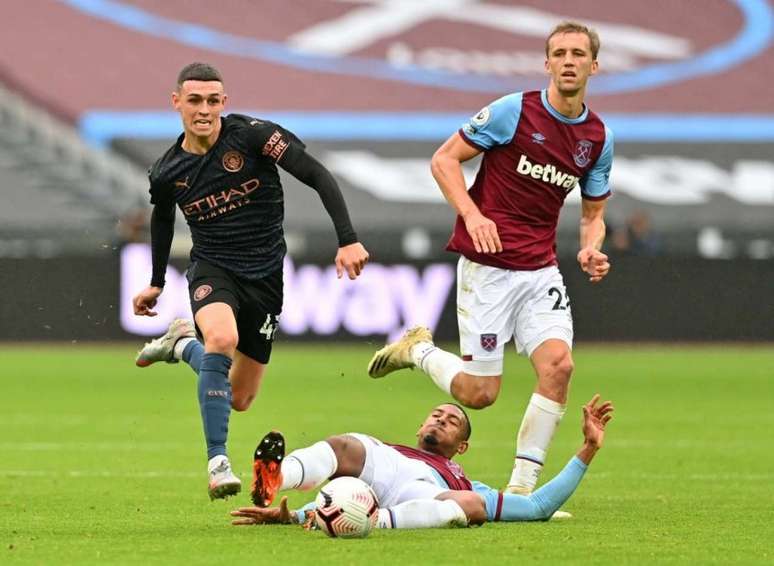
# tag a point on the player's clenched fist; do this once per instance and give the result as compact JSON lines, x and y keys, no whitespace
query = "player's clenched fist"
{"x":483,"y":232}
{"x":352,"y":259}
{"x":594,"y":262}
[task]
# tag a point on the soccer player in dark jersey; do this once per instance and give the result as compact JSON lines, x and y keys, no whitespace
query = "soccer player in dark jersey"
{"x":418,"y":486}
{"x":222,"y":172}
{"x":538,"y":146}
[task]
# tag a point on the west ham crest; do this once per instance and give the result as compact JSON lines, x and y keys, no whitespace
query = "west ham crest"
{"x":582,"y":154}
{"x":489,"y":342}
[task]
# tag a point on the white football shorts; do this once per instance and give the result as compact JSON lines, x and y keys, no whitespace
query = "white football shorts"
{"x":495,"y":305}
{"x":394,"y":477}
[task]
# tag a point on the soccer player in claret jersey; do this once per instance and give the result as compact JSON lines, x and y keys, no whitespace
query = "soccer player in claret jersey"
{"x":416,"y":487}
{"x":537,"y":147}
{"x":222,"y":174}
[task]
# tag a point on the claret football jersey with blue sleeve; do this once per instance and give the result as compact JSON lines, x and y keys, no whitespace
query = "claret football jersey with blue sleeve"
{"x":533,"y":157}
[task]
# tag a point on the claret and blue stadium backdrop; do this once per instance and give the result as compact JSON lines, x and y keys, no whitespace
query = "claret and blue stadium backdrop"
{"x":374,"y":87}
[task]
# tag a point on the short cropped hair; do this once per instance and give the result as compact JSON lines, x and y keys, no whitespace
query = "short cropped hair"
{"x":468,"y":428}
{"x":198,"y":72}
{"x":576,"y":27}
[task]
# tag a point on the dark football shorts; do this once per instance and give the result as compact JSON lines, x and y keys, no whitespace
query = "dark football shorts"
{"x":256,"y":304}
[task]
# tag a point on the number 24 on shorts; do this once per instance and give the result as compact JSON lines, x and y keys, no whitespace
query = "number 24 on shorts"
{"x":562,"y":301}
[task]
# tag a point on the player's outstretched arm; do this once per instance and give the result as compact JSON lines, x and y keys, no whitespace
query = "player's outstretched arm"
{"x":592,"y":235}
{"x":541,"y":504}
{"x":162,"y":232}
{"x":446,"y":167}
{"x":352,"y":255}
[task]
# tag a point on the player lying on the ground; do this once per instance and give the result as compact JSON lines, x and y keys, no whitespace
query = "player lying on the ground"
{"x":416,"y":487}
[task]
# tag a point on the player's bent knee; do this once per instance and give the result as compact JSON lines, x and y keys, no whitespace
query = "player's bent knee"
{"x":565,"y":366}
{"x":350,"y":455}
{"x":479,"y":392}
{"x":471,"y":503}
{"x":221,"y":342}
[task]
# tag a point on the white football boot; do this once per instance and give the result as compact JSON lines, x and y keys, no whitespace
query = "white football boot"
{"x":162,"y":349}
{"x":223,"y":482}
{"x":397,"y":355}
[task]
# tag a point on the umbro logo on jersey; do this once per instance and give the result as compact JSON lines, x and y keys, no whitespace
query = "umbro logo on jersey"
{"x":547,"y":173}
{"x":537,"y":137}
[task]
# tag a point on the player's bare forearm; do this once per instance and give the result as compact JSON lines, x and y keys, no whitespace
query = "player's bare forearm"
{"x":447,"y":172}
{"x":586,"y":453}
{"x":592,"y":224}
{"x":446,"y":167}
{"x":592,"y":235}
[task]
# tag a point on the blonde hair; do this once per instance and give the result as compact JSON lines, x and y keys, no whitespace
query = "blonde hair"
{"x":576,"y":27}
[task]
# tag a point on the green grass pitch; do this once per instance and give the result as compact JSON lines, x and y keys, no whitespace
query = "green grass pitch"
{"x":103,"y":463}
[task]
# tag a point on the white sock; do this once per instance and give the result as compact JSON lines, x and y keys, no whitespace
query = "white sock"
{"x":177,"y":351}
{"x":308,"y":467}
{"x":537,"y":428}
{"x":422,"y":514}
{"x":440,"y":365}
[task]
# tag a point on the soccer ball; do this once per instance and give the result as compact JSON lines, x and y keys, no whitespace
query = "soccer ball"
{"x":346,"y":508}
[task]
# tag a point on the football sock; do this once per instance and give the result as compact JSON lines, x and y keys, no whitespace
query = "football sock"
{"x":190,"y":350}
{"x":309,"y":467}
{"x":440,"y":365}
{"x":537,"y":428}
{"x":215,"y":401}
{"x":422,"y":514}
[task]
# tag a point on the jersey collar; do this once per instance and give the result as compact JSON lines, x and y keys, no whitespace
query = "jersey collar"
{"x":558,"y":115}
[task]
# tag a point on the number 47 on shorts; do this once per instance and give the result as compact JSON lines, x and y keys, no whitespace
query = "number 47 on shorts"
{"x":269,"y":327}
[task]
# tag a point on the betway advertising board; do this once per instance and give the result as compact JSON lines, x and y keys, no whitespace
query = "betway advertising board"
{"x":88,"y":298}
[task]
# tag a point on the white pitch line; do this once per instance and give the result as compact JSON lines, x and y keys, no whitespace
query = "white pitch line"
{"x":118,"y":446}
{"x":99,"y":474}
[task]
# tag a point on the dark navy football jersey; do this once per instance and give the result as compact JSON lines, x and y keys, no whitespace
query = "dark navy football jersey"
{"x":533,"y":157}
{"x":231,"y":196}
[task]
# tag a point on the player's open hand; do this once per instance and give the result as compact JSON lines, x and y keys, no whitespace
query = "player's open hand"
{"x":595,"y":263}
{"x":280,"y":515}
{"x":145,"y":300}
{"x":595,"y":418}
{"x":352,"y":259}
{"x":483,"y":232}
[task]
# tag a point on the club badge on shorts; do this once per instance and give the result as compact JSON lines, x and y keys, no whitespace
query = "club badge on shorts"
{"x":489,"y":342}
{"x":201,"y":292}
